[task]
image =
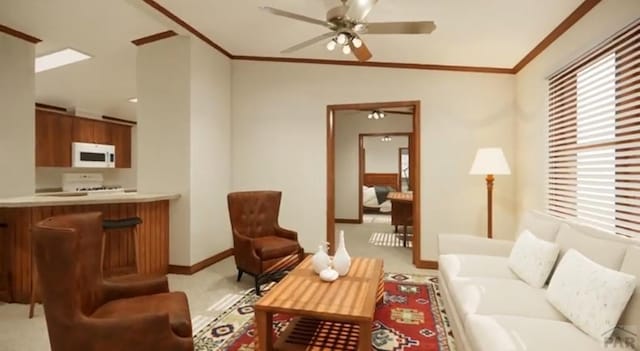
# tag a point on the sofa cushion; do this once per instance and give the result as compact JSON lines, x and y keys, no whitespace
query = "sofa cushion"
{"x":532,"y":258}
{"x":608,"y":253}
{"x":454,"y":266}
{"x":540,"y":224}
{"x":631,"y":316}
{"x":514,"y":333}
{"x":593,"y":297}
{"x":500,"y":296}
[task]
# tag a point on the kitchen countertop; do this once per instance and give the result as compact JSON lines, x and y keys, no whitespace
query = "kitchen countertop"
{"x":83,"y":199}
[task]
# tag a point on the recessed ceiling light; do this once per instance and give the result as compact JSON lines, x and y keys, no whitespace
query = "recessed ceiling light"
{"x":59,"y":58}
{"x":133,"y":99}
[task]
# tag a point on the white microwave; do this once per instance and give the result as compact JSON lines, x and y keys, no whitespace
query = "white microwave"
{"x":87,"y":155}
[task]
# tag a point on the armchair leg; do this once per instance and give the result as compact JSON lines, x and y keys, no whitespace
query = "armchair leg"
{"x":239,"y":275}
{"x":257,"y":282}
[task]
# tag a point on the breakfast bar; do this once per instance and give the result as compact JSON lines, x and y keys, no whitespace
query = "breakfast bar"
{"x":20,"y":213}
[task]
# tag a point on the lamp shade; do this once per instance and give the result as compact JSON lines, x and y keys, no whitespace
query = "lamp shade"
{"x":490,"y":160}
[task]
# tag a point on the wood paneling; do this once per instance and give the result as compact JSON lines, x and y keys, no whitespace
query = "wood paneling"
{"x":153,"y":236}
{"x":53,"y":139}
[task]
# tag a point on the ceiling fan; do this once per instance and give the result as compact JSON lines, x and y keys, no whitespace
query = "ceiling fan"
{"x":347,"y":22}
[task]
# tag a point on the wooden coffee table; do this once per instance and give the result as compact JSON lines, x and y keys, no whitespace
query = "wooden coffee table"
{"x":329,"y":316}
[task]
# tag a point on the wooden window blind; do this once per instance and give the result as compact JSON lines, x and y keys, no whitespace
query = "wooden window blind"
{"x":594,"y":136}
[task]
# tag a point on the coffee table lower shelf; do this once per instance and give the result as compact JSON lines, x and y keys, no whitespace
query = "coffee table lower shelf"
{"x":308,"y":334}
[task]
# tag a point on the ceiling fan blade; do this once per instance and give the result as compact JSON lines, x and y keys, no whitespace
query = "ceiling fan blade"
{"x":359,"y":9}
{"x":308,"y":42}
{"x":423,"y":27}
{"x":294,"y":16}
{"x":362,"y":53}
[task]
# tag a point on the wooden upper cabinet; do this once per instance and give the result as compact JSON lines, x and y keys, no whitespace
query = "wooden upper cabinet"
{"x":55,"y":132}
{"x":121,"y":139}
{"x":90,"y":131}
{"x":53,"y":139}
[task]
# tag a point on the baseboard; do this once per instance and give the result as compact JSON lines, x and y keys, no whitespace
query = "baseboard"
{"x":347,"y":220}
{"x":189,"y":270}
{"x":427,"y":264}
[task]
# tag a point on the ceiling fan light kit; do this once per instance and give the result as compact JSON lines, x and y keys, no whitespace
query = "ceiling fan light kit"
{"x":347,"y":23}
{"x":376,"y":115}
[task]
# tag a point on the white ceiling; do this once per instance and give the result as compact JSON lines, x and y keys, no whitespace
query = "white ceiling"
{"x":493,"y":33}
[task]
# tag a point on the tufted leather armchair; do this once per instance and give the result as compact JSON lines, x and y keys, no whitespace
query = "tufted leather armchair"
{"x":85,"y":312}
{"x":259,"y":242}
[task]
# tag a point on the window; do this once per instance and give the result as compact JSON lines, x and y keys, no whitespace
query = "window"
{"x":594,"y":136}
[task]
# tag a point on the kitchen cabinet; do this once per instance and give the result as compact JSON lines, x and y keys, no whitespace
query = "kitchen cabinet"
{"x":56,"y":131}
{"x":121,"y":139}
{"x":91,"y":131}
{"x":53,"y":139}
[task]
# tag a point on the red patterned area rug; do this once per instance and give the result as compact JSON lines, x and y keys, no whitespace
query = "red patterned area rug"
{"x":410,"y":317}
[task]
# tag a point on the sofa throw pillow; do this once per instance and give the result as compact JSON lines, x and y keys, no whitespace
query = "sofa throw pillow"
{"x":591,"y":296}
{"x":532,"y":258}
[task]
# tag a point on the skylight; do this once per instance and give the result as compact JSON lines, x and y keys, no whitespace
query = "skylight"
{"x":59,"y":58}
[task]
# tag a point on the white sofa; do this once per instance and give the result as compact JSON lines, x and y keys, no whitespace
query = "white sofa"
{"x":491,"y":309}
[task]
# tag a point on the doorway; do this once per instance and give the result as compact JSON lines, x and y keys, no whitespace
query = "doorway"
{"x":413,"y":176}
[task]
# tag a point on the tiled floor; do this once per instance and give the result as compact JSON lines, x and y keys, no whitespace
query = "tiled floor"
{"x":204,"y":289}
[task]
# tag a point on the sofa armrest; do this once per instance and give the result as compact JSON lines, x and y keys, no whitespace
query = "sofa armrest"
{"x":472,"y":245}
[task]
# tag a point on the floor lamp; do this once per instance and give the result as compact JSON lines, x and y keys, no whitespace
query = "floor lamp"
{"x":490,"y":161}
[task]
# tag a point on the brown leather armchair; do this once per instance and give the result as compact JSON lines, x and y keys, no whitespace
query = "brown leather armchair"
{"x":85,"y":312}
{"x":259,"y":242}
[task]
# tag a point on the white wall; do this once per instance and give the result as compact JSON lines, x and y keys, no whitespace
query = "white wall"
{"x":184,"y":122}
{"x":383,"y":156}
{"x":164,"y":89}
{"x":531,"y":93}
{"x":17,"y":119}
{"x":348,"y":127}
{"x":210,"y":151}
{"x":279,"y":139}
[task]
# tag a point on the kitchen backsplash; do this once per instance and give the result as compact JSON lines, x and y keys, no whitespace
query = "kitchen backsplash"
{"x":51,"y":177}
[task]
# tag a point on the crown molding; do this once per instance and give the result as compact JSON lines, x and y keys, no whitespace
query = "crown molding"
{"x":19,"y":34}
{"x":153,"y":37}
{"x":179,"y":21}
{"x":419,"y":66}
{"x":567,"y":23}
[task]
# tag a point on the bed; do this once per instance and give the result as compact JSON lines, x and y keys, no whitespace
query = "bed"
{"x":375,"y":187}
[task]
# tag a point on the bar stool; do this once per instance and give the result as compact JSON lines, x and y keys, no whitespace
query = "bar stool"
{"x":108,"y":226}
{"x":5,"y":274}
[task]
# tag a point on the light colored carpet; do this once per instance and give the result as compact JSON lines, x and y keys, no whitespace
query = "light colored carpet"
{"x":376,"y":218}
{"x":389,"y":239}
